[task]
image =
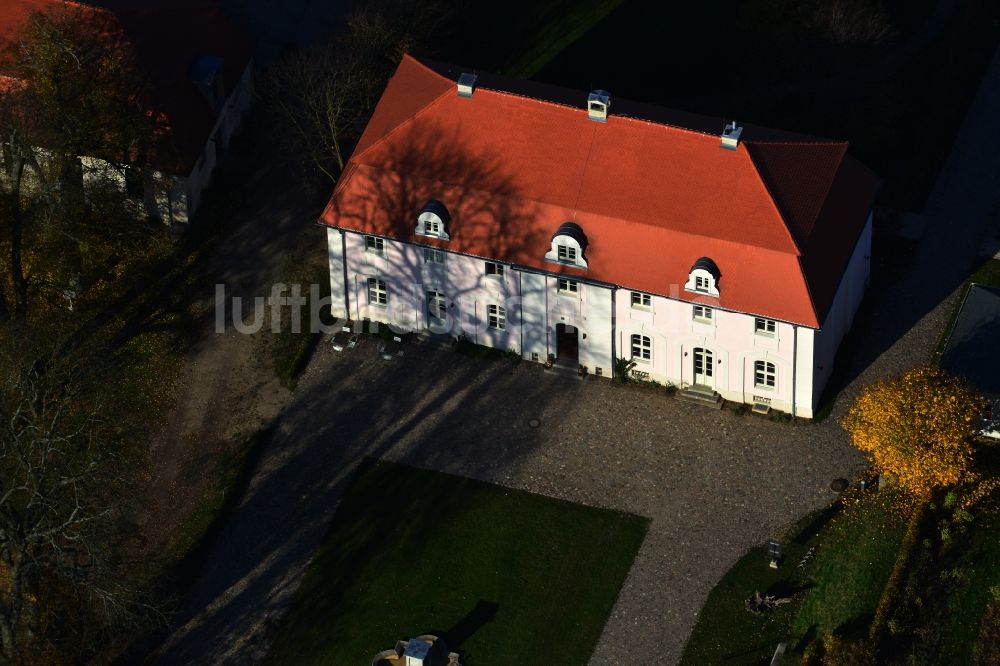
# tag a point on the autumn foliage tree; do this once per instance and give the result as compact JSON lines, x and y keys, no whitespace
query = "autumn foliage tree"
{"x":71,"y":90}
{"x":919,"y":428}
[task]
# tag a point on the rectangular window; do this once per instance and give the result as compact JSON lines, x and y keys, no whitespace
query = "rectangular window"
{"x":566,"y":254}
{"x":432,"y":256}
{"x":763,"y":326}
{"x":373,"y":244}
{"x":700,"y":283}
{"x":377,"y":292}
{"x":496,"y":317}
{"x":764,"y":374}
{"x":569,"y":287}
{"x":436,"y":305}
{"x":702,"y":313}
{"x":642,"y":349}
{"x":494,"y":269}
{"x":641,"y":300}
{"x":432,"y":227}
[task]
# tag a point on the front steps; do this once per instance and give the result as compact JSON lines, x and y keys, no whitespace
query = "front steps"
{"x":702,"y":395}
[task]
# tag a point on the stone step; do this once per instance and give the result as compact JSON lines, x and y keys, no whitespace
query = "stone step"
{"x":701,"y":396}
{"x":563,"y":371}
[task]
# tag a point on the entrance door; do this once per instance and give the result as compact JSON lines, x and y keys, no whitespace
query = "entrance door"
{"x":567,"y":345}
{"x":437,"y":307}
{"x":704,"y":364}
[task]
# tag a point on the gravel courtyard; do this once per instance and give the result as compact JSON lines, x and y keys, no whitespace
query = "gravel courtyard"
{"x":714,"y":483}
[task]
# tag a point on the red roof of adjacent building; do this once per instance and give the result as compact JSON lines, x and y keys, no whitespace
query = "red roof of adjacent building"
{"x":168,"y":36}
{"x":780,"y":217}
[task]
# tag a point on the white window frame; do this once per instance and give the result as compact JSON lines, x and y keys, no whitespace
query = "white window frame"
{"x":568,"y":287}
{"x":765,"y":375}
{"x":643,"y":345}
{"x":437,"y":304}
{"x":432,"y":227}
{"x":494,"y":270}
{"x":375,"y":245}
{"x":378,"y":292}
{"x":702,"y":313}
{"x":496,"y":317}
{"x":764,"y":326}
{"x":566,"y":255}
{"x":433,"y":255}
{"x":645,"y":301}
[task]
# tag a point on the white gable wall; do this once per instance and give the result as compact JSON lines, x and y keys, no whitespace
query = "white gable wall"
{"x":845,"y":306}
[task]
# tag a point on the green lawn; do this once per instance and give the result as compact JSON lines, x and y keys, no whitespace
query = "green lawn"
{"x":837,"y":591}
{"x":980,"y":567}
{"x":508,"y":577}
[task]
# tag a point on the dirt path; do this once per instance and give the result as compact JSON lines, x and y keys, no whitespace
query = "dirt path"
{"x":228,"y":389}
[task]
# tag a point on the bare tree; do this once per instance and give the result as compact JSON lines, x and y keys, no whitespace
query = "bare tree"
{"x":62,"y":466}
{"x":325,"y":94}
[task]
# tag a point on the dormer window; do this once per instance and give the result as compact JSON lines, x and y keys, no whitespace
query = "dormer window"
{"x":433,"y":220}
{"x":569,"y":244}
{"x":704,"y":278}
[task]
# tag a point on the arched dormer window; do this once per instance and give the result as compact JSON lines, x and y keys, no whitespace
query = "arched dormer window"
{"x":433,"y":220}
{"x":569,"y":244}
{"x":704,"y":278}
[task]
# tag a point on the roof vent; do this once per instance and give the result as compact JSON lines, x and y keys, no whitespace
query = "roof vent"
{"x":598,"y":103}
{"x":466,"y":84}
{"x":731,"y":135}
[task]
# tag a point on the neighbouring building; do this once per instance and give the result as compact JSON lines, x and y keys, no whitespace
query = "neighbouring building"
{"x":580,"y":229}
{"x":972,"y":351}
{"x":200,"y":74}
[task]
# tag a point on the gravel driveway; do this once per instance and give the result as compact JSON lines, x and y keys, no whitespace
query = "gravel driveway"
{"x":714,"y":483}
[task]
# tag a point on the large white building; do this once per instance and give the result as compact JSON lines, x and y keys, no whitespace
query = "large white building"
{"x":582,"y":229}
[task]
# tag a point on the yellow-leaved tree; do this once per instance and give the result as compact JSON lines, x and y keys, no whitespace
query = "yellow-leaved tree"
{"x":919,"y":428}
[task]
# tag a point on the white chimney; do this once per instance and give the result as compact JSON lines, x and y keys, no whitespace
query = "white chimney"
{"x":598,"y":103}
{"x":466,"y":84}
{"x":731,"y":135}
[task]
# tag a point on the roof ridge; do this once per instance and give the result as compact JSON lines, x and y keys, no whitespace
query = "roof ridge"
{"x":622,"y":116}
{"x":843,"y":145}
{"x":409,"y":119}
{"x":774,"y":203}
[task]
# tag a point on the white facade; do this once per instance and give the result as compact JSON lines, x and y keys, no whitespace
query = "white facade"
{"x":744,"y":357}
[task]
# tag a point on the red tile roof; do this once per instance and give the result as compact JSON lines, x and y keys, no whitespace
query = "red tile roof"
{"x":779,"y":218}
{"x":168,"y":36}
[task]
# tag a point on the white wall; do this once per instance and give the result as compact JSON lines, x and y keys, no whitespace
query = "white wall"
{"x":533,"y":304}
{"x":730,"y":336}
{"x":604,"y":317}
{"x":846,"y":302}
